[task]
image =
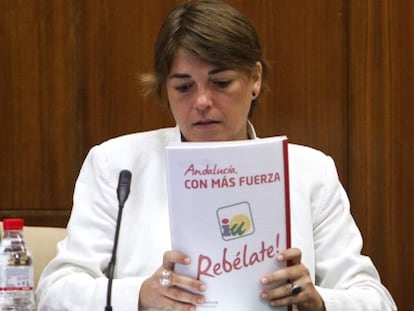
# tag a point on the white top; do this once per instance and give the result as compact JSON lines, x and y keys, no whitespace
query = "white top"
{"x":322,"y":227}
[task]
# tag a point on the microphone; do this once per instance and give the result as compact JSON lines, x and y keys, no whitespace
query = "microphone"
{"x":124,"y":185}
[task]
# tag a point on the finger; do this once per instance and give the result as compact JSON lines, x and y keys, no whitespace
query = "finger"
{"x":172,"y":257}
{"x":187,"y":282}
{"x":166,"y":303}
{"x":285,"y":301}
{"x":172,"y":297}
{"x":277,"y":292}
{"x":285,"y":275}
{"x":292,"y":256}
{"x":307,"y":299}
{"x":183,"y":296}
{"x":283,"y":295}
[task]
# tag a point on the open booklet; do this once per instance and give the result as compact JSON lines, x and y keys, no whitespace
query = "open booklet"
{"x":229,"y":211}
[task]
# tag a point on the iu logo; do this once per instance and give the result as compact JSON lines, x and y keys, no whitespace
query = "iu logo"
{"x":235,"y":221}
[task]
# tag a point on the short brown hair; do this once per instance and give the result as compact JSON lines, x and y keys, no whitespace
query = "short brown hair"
{"x":214,"y":32}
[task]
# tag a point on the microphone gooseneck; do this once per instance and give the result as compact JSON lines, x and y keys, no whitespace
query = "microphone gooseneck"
{"x":123,"y":189}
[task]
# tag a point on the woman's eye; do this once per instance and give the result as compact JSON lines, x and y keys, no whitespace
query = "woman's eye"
{"x":183,"y":87}
{"x":221,"y":84}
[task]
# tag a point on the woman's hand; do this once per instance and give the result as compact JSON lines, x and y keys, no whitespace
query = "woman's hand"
{"x":175,"y":296}
{"x":306,"y":299}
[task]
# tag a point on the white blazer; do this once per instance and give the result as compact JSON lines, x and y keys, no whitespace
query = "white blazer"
{"x":322,"y":227}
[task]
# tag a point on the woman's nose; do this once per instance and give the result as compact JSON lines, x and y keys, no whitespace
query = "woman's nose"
{"x":203,"y":100}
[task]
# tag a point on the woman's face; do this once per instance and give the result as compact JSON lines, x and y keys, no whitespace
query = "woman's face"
{"x":210,"y":103}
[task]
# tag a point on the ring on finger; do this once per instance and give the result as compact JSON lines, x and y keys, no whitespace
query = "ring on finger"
{"x":165,"y":278}
{"x":295,"y":289}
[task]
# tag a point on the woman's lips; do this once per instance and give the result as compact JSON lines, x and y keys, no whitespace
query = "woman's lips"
{"x":205,"y":122}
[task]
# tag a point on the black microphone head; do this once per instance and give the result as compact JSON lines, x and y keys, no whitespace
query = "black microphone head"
{"x":124,"y":184}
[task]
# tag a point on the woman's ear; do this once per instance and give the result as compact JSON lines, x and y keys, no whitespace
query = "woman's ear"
{"x":257,"y":79}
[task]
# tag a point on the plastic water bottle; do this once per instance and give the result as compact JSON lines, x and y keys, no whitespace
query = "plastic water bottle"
{"x":16,"y":269}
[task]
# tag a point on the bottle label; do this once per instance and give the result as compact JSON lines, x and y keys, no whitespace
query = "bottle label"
{"x":16,"y":278}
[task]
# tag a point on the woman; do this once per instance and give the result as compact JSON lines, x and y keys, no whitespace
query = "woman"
{"x":210,"y":71}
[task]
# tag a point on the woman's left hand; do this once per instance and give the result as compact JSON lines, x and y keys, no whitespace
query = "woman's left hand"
{"x":304,"y":296}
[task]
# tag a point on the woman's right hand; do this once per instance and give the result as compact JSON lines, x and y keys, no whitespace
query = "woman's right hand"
{"x":177,"y":295}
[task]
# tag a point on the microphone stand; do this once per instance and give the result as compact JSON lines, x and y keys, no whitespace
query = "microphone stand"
{"x":123,"y":192}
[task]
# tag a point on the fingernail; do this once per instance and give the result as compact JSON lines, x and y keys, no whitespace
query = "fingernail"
{"x":203,"y":288}
{"x":264,"y":280}
{"x":264,"y":295}
{"x":187,"y":260}
{"x":201,"y":300}
{"x":279,"y":257}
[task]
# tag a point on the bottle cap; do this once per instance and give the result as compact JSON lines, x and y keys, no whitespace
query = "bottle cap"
{"x":13,"y":224}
